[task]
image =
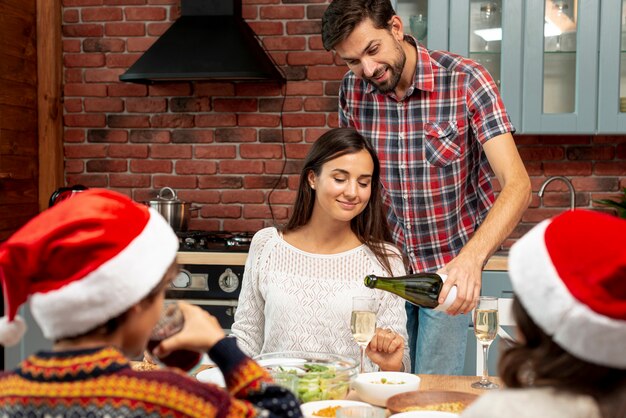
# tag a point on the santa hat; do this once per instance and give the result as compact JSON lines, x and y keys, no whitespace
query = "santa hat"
{"x":569,"y":273}
{"x":82,"y":262}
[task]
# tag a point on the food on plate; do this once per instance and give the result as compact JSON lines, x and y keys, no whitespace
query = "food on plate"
{"x":385,"y":381}
{"x":455,"y":407}
{"x":143,"y":366}
{"x":315,"y":382}
{"x":330,"y":411}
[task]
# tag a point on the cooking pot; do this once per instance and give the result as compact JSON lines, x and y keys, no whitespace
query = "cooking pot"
{"x":175,"y":211}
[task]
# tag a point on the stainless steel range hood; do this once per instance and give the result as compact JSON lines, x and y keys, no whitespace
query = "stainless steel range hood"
{"x":210,"y":41}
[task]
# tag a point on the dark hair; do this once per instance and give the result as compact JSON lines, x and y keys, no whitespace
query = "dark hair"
{"x":538,"y":361}
{"x":370,"y":226}
{"x":342,"y":16}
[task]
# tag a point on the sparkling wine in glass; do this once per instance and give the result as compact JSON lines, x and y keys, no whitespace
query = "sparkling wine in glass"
{"x":486,"y":329}
{"x":363,"y":322}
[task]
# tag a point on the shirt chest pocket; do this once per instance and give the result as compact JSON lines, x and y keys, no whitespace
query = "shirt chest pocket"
{"x":443,"y":142}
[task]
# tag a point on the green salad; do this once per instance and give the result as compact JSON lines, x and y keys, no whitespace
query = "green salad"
{"x":313,"y":382}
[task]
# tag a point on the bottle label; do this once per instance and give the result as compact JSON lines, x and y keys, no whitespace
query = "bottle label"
{"x":442,"y":307}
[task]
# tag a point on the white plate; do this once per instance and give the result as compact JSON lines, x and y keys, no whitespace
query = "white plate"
{"x":309,"y":408}
{"x":425,"y":414}
{"x":213,"y":375}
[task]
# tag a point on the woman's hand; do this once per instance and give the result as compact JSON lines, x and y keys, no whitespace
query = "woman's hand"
{"x":386,"y":349}
{"x":200,"y":332}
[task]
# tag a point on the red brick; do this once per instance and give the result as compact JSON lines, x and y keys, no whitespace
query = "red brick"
{"x":541,"y":153}
{"x":609,"y":139}
{"x":305,"y":88}
{"x":326,"y":73}
{"x":243,"y":225}
{"x":249,"y":12}
{"x":103,"y":105}
{"x":315,"y":11}
{"x":267,"y":28}
{"x":318,"y":104}
{"x":85,"y":151}
{"x":172,"y":121}
{"x":149,"y":136}
{"x":170,"y":151}
{"x":208,"y":152}
{"x":281,"y":12}
{"x":70,"y":16}
{"x":84,"y":120}
{"x":124,"y":29}
{"x":196,"y":167}
{"x":316,"y":44}
{"x":278,"y":105}
{"x":106,"y":166}
{"x":312,"y":134}
{"x":83,"y":60}
{"x":596,"y":184}
{"x":127,"y":89}
{"x":103,"y":45}
{"x":297,"y":150}
{"x":285,"y":197}
{"x":243,"y":196}
{"x":176,"y":181}
{"x":124,"y":60}
{"x":220,"y":182}
{"x":235,"y":135}
{"x":106,"y":135}
{"x":128,"y":151}
{"x":204,"y":224}
{"x":258,"y":89}
{"x":284,"y":43}
{"x":200,"y":196}
{"x":158,"y":29}
{"x":78,"y":3}
{"x":183,"y":136}
{"x":151,"y":166}
{"x":538,"y":215}
{"x":596,"y":152}
{"x":220,"y":211}
{"x":263,"y":212}
{"x":311,"y":27}
{"x":73,"y":76}
{"x":304,"y":119}
{"x":235,"y":105}
{"x":99,"y":76}
{"x":139,"y":44}
{"x":565,"y":139}
{"x":279,"y":57}
{"x":241,"y":167}
{"x":533,"y":168}
{"x":284,"y":167}
{"x":331,"y":88}
{"x":203,"y":88}
{"x":556,"y":168}
{"x":129,"y":180}
{"x":280,"y":135}
{"x":261,"y":151}
{"x":621,"y":151}
{"x":309,"y":58}
{"x":264,"y":182}
{"x":71,"y":45}
{"x":562,"y":200}
{"x":73,"y":105}
{"x":145,"y":13}
{"x":258,"y":120}
{"x":74,"y":135}
{"x":74,"y":166}
{"x":146,"y":105}
{"x":527,"y":139}
{"x":294,"y":182}
{"x":83,"y":31}
{"x":170,"y":89}
{"x":89,"y":180}
{"x":121,"y":121}
{"x":101,"y":14}
{"x":610,"y":168}
{"x":190,"y":104}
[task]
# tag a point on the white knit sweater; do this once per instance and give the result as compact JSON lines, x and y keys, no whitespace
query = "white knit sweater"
{"x":292,"y":300}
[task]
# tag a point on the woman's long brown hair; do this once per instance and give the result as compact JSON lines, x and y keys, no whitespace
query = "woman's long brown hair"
{"x":540,"y":362}
{"x":370,"y":226}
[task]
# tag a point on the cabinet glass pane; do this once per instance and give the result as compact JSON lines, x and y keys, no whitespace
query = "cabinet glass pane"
{"x":559,"y":58}
{"x":486,"y":35}
{"x":622,"y":67}
{"x":414,"y":16}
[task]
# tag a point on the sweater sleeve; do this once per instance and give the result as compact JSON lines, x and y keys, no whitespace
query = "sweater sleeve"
{"x":249,"y":325}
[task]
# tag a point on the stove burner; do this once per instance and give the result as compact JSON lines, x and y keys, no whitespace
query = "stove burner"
{"x":214,"y":241}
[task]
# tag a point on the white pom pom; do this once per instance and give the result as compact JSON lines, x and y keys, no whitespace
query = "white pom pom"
{"x":11,"y":332}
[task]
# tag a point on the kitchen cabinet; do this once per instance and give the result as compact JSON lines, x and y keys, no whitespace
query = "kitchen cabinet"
{"x":560,"y":65}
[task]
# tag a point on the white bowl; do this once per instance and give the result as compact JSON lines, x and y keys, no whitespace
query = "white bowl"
{"x":309,"y":408}
{"x":377,"y":387}
{"x":425,"y":414}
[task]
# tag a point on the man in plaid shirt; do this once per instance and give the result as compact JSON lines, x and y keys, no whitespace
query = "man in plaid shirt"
{"x":439,"y":126}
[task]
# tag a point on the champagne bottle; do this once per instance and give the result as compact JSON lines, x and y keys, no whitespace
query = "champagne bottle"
{"x":421,"y":289}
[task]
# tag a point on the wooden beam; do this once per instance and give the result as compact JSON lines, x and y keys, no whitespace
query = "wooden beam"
{"x":49,"y":73}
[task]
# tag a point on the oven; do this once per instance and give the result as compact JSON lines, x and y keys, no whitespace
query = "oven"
{"x":212,"y":265}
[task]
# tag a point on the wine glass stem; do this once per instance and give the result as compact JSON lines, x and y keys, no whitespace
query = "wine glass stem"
{"x":485,"y":378}
{"x":362,"y":358}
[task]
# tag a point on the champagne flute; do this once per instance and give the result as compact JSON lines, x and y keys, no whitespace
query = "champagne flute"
{"x":363,"y":322}
{"x":486,"y":329}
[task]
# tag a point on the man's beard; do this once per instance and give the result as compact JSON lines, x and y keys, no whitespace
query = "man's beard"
{"x":395,"y":72}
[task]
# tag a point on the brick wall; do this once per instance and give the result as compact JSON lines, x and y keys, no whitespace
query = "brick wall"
{"x":220,"y":144}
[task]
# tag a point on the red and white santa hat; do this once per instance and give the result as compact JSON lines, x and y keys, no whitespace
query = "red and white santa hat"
{"x":82,"y":262}
{"x":569,"y":273}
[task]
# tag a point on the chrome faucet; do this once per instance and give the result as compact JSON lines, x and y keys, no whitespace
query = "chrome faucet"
{"x":570,"y":186}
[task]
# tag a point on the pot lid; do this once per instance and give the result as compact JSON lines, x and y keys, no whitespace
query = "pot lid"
{"x":167,"y":195}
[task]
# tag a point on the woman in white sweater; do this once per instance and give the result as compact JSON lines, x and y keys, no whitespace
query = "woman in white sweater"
{"x":299,"y":282}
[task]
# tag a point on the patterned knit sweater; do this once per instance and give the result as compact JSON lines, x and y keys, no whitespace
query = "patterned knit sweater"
{"x":100,"y":383}
{"x":292,"y":300}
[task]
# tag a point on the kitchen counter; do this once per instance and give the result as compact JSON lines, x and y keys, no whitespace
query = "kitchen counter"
{"x":497,"y":262}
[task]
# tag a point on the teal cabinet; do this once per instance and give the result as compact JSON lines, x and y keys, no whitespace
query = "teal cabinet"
{"x":30,"y":343}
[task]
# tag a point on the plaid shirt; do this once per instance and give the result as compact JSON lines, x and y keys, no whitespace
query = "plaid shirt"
{"x":435,"y":175}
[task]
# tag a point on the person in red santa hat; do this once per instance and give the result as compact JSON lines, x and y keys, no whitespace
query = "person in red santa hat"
{"x":569,"y":279}
{"x":94,"y":270}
